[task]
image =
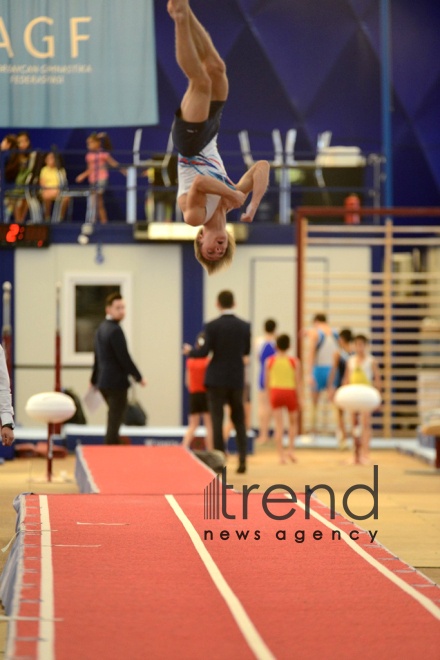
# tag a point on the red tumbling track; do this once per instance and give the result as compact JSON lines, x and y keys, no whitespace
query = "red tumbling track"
{"x":145,"y":593}
{"x":125,"y":470}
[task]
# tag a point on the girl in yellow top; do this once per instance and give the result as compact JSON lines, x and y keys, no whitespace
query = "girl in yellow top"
{"x":51,"y":179}
{"x":282,"y":380}
{"x":362,"y":369}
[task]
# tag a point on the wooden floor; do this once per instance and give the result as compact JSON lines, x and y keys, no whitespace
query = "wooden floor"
{"x":409,"y":496}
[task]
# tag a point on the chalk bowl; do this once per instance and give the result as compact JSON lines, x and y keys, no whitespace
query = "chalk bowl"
{"x":358,"y":398}
{"x":50,"y":407}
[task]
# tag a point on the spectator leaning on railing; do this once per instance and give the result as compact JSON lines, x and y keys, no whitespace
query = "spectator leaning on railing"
{"x":11,"y":166}
{"x":27,"y":159}
{"x":98,"y":160}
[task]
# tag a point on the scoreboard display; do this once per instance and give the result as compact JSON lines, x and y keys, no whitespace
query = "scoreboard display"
{"x":31,"y":236}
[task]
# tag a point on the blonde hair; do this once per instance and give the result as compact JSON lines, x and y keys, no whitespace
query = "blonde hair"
{"x":215,"y":266}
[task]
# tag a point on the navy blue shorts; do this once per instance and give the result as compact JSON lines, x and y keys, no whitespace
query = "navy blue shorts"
{"x":191,"y":137}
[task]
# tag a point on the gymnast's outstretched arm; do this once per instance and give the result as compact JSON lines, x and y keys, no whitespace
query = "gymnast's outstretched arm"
{"x":257,"y":180}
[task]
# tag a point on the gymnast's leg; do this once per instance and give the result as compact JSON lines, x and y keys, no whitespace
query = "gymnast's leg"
{"x":211,"y":60}
{"x":197,"y":99}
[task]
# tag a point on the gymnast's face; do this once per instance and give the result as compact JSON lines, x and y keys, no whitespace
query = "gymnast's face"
{"x":116,"y":310}
{"x":213,"y":245}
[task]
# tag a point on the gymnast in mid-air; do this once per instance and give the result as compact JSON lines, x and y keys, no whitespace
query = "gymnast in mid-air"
{"x":205,"y":193}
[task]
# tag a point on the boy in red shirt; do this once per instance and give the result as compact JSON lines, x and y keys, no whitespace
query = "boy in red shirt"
{"x":198,"y":402}
{"x":282,"y":381}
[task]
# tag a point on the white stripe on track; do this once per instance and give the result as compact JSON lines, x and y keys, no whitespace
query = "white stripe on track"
{"x":247,"y":628}
{"x":422,"y":600}
{"x":46,"y":629}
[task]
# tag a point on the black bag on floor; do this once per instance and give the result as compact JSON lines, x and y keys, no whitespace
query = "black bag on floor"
{"x":78,"y":417}
{"x":214,"y":459}
{"x":135,"y":415}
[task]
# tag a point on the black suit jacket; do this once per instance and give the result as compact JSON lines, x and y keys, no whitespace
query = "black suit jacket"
{"x":113,"y":363}
{"x":229,"y":339}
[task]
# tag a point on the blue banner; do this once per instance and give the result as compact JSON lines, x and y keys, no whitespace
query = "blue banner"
{"x":77,"y":63}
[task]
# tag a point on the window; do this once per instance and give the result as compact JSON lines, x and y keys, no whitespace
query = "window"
{"x":89,"y":312}
{"x":83,"y":301}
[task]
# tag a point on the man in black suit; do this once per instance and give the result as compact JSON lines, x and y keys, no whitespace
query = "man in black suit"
{"x":113,"y":365}
{"x":228,"y":338}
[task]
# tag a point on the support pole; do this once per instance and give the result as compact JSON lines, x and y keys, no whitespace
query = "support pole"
{"x":388,"y":329}
{"x":50,"y":432}
{"x":285,"y":196}
{"x":131,"y":198}
{"x":301,"y":237}
{"x":58,"y":339}
{"x":55,"y":428}
{"x":386,"y":85}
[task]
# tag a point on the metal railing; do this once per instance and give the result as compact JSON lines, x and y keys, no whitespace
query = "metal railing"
{"x":150,"y":186}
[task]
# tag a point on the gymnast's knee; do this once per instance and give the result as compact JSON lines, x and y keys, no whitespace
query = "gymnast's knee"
{"x":215,"y":67}
{"x":201,"y":83}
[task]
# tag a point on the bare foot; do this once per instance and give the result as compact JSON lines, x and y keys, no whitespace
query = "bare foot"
{"x":292,"y":457}
{"x":248,"y":216}
{"x":364,"y":460}
{"x":282,"y":460}
{"x":176,"y":7}
{"x":353,"y":461}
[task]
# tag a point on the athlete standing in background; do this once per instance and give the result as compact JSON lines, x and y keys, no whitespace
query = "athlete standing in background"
{"x":323,"y":345}
{"x":265,"y":347}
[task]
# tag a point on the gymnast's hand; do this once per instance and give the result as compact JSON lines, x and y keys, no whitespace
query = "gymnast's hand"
{"x":237,"y":198}
{"x":7,"y":436}
{"x":186,"y":349}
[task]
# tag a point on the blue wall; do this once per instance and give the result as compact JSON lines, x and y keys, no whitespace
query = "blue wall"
{"x":313,"y":65}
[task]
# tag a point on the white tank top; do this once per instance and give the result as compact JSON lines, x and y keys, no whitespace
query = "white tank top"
{"x":207,"y":162}
{"x":326,"y":348}
{"x":360,"y":373}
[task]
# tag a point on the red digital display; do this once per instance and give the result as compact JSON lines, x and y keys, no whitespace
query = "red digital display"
{"x":15,"y":235}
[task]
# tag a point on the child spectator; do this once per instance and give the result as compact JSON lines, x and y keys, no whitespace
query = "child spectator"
{"x":282,"y":380}
{"x":198,"y":401}
{"x":336,"y":377}
{"x":51,"y":180}
{"x":362,"y":369}
{"x":98,"y":160}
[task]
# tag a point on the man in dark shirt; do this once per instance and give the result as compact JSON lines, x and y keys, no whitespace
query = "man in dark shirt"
{"x":113,"y":365}
{"x":228,"y":338}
